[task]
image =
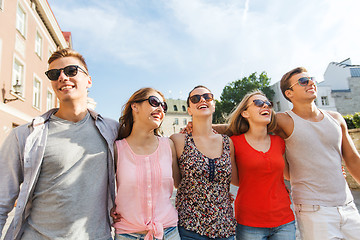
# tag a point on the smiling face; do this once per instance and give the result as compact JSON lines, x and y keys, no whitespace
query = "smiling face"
{"x":257,"y":114}
{"x":203,"y":107}
{"x":145,"y":113}
{"x":301,"y":93}
{"x":69,"y":89}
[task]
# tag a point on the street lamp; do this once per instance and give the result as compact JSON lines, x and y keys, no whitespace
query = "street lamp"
{"x":16,"y":87}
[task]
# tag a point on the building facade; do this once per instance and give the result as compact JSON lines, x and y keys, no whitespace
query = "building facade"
{"x":176,"y":117}
{"x":340,"y":90}
{"x":29,"y":34}
{"x":344,"y":79}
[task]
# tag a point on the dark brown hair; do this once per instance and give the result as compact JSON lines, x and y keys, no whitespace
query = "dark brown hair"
{"x":188,"y":98}
{"x":285,"y":83}
{"x":127,"y":119}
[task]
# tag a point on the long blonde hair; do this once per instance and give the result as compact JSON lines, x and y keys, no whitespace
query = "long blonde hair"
{"x":238,"y":124}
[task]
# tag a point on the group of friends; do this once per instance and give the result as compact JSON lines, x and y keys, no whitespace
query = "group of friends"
{"x":73,"y":173}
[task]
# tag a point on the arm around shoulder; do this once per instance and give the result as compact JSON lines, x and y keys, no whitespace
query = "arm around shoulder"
{"x":284,"y":125}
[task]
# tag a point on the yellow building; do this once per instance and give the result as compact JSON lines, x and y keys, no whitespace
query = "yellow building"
{"x":29,"y":34}
{"x":176,"y":117}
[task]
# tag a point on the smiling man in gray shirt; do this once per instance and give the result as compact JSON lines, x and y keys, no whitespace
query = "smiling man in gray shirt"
{"x":60,"y":166}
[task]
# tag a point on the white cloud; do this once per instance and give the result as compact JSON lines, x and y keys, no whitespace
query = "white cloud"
{"x":214,"y":42}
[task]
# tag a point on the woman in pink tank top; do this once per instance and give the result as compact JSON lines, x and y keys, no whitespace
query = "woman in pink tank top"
{"x":146,"y":172}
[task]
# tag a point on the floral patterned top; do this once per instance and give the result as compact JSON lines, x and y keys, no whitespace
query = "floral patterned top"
{"x":203,"y":197}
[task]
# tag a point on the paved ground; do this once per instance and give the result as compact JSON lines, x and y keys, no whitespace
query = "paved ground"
{"x":356,"y":194}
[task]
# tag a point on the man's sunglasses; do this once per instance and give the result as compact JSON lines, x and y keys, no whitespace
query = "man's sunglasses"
{"x":304,"y":81}
{"x":155,"y":102}
{"x":260,"y":103}
{"x":196,"y":98}
{"x":69,"y":71}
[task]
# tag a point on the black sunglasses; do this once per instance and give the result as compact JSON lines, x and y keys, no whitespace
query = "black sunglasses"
{"x":196,"y":98}
{"x":260,"y":103}
{"x":70,"y":71}
{"x":304,"y":81}
{"x":155,"y":102}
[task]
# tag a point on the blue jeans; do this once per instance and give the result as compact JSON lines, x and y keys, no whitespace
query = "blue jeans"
{"x":190,"y":235}
{"x":283,"y":232}
{"x":170,"y":233}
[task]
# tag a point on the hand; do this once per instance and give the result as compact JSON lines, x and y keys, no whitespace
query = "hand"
{"x":115,"y":216}
{"x":232,"y":199}
{"x":187,"y":129}
{"x":343,"y":171}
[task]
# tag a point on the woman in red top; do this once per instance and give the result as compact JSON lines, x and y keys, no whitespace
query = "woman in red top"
{"x":262,"y":205}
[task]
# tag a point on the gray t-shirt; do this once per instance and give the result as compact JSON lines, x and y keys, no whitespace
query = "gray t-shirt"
{"x":70,"y":197}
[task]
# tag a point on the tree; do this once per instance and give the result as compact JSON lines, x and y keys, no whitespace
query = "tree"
{"x":235,"y":91}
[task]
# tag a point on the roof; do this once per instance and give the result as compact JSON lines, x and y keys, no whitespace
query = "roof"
{"x":67,"y":36}
{"x":345,"y":63}
{"x":355,"y":72}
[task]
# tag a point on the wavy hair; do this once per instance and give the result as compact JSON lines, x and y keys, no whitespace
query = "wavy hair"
{"x":127,"y":119}
{"x":238,"y":124}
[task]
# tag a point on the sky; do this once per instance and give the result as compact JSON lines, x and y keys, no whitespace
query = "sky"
{"x":174,"y":45}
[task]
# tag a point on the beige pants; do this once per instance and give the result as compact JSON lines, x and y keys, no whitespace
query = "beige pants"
{"x":324,"y":223}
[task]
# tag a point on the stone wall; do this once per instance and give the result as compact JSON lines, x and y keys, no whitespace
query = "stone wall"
{"x":355,"y":135}
{"x":347,"y":101}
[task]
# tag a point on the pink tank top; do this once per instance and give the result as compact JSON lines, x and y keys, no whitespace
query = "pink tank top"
{"x":144,"y":189}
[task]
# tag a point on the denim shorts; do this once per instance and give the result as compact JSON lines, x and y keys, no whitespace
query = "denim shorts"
{"x":282,"y":232}
{"x":170,"y":233}
{"x":191,"y":235}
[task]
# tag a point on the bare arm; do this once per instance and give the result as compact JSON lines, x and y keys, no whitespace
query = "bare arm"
{"x":175,"y":165}
{"x":234,"y":171}
{"x":286,"y":169}
{"x":284,"y":125}
{"x":220,"y":128}
{"x":349,"y":151}
{"x":115,"y":156}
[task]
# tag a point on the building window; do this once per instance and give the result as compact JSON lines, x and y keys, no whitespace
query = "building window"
{"x":18,"y":77}
{"x":20,"y":20}
{"x":50,"y":101}
{"x":183,"y":108}
{"x":38,"y":44}
{"x":185,"y":121}
{"x":176,"y":121}
{"x":324,"y":101}
{"x":175,"y":108}
{"x":36,"y":93}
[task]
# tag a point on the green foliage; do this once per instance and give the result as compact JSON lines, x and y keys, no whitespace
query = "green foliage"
{"x":349,"y":121}
{"x":352,"y":121}
{"x":235,"y":91}
{"x":356,"y":120}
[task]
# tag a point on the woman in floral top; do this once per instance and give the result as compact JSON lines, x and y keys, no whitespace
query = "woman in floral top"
{"x":207,"y":167}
